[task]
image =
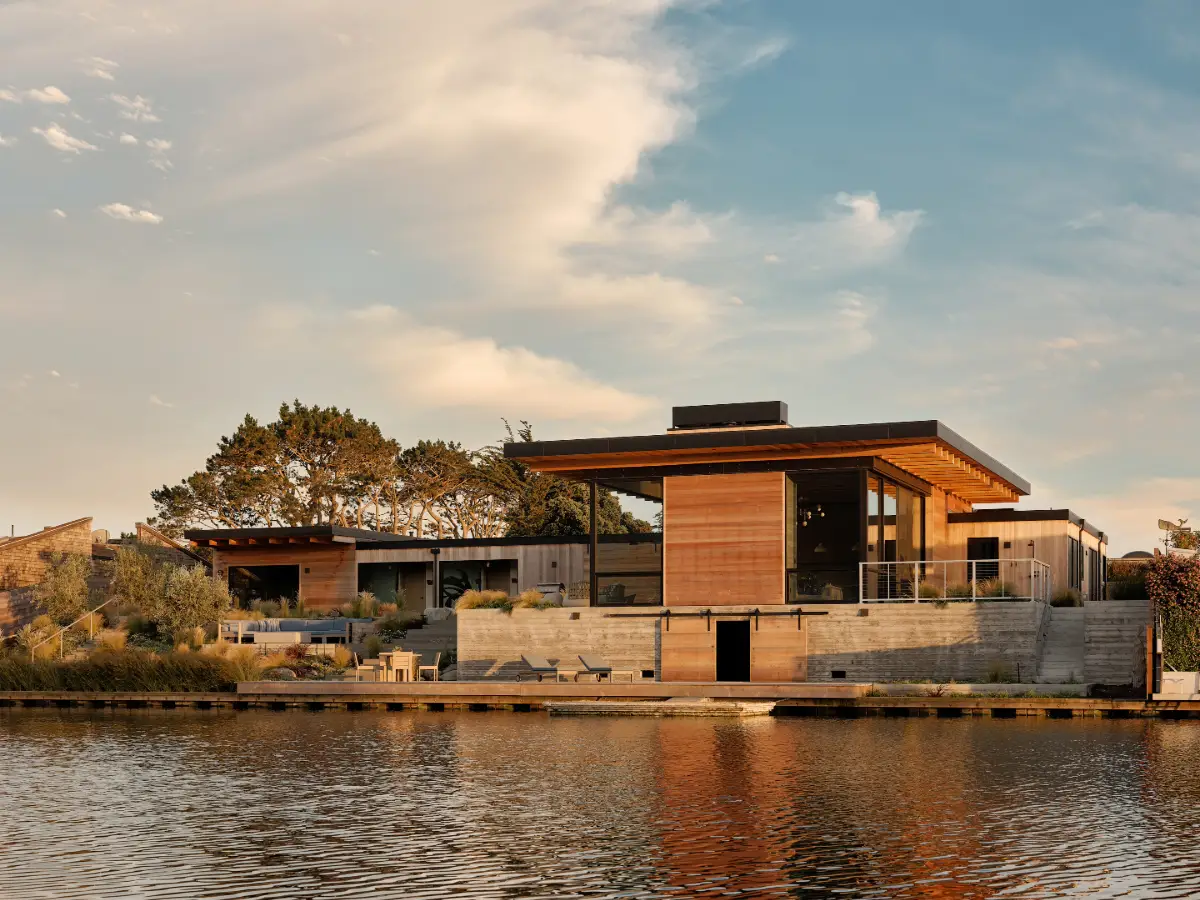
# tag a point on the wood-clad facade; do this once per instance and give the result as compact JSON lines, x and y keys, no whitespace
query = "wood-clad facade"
{"x":723,"y":539}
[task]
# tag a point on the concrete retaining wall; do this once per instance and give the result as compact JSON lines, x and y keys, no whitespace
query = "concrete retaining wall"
{"x":965,"y":642}
{"x":1115,"y":641}
{"x":491,"y":641}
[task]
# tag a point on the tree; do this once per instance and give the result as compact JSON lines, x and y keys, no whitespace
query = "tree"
{"x":63,"y":590}
{"x":542,"y":504}
{"x":1181,"y":537}
{"x":138,"y":580}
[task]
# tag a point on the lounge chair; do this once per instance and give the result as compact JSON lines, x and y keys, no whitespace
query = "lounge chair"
{"x":431,"y":668}
{"x":594,"y":665}
{"x":539,"y":666}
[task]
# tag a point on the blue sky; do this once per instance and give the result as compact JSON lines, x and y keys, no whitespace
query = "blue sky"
{"x":580,"y":213}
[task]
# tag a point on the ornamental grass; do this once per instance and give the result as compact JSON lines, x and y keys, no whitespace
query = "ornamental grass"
{"x":125,"y":670}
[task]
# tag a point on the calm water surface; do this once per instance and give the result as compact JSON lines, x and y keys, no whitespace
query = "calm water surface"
{"x":408,"y":805}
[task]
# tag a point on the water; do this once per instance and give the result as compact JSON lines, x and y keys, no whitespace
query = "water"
{"x":474,"y":805}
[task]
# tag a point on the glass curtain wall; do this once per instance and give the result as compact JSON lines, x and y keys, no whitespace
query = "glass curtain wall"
{"x":837,"y":520}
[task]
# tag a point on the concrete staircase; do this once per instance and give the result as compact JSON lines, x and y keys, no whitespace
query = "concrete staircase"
{"x":1064,"y":649}
{"x":435,"y":636}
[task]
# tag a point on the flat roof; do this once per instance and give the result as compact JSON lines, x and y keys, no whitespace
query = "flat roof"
{"x":382,"y":540}
{"x":889,"y":439}
{"x":1027,"y":515}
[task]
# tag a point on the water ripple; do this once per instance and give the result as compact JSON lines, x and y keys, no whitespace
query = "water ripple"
{"x":305,"y":806}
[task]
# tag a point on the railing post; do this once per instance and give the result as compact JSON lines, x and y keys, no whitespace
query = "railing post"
{"x":60,"y":644}
{"x":861,"y":598}
{"x":973,"y":568}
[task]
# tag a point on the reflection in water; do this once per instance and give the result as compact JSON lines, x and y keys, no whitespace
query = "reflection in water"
{"x":349,"y":805}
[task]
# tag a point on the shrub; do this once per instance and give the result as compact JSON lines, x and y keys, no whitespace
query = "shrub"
{"x":267,"y":609}
{"x":30,"y":638}
{"x":958,"y":591}
{"x":64,"y":588}
{"x":1067,"y":597}
{"x":372,"y":646}
{"x":995,"y":587}
{"x":1173,"y":584}
{"x":296,"y":652}
{"x":484,"y":600}
{"x":390,"y":629}
{"x":388,"y":609}
{"x":929,"y":591}
{"x":363,"y":606}
{"x":111,"y":640}
{"x":532,"y":599}
{"x":190,"y":600}
{"x":138,"y":581}
{"x":342,"y":657}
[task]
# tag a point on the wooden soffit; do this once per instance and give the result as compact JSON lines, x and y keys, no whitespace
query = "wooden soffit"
{"x":932,"y":461}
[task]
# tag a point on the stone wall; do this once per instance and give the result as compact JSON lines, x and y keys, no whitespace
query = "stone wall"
{"x":491,"y":641}
{"x":1115,"y":641}
{"x":16,"y":609}
{"x":965,"y":642}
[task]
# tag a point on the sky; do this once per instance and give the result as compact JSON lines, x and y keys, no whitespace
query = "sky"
{"x":582,"y":212}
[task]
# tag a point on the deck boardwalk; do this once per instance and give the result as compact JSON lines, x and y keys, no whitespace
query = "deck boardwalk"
{"x":844,"y":700}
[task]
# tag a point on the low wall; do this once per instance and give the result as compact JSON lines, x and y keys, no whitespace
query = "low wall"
{"x":491,"y":641}
{"x":965,"y":642}
{"x":1115,"y":641}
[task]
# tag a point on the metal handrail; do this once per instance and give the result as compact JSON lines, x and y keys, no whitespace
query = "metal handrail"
{"x":1032,"y":571}
{"x":59,"y":634}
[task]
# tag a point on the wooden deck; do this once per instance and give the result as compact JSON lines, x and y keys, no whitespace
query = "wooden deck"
{"x":841,"y":700}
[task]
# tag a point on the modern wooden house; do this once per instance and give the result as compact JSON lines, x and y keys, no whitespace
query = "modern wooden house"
{"x":756,"y":512}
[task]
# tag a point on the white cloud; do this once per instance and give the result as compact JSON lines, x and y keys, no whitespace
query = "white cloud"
{"x":99,"y":67}
{"x":155,"y":400}
{"x":442,"y":368}
{"x":158,"y":145}
{"x":54,"y":373}
{"x":58,"y":138}
{"x":771,"y":258}
{"x":48,"y":94}
{"x":9,"y":96}
{"x":1061,"y":343}
{"x":136,"y":109}
{"x":6,"y":141}
{"x":129,"y":214}
{"x":59,"y":213}
{"x":128,"y":139}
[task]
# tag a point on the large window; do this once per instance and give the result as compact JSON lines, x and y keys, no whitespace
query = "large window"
{"x":839,"y":519}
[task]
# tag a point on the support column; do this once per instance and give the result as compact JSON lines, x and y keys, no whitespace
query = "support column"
{"x":594,"y":551}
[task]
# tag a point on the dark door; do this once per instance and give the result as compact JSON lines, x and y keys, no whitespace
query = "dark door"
{"x":733,"y":651}
{"x":984,"y":548}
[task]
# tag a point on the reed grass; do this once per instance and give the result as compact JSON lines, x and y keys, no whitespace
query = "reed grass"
{"x":125,"y":670}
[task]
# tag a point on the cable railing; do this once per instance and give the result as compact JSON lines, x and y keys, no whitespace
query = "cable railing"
{"x":62,"y":631}
{"x":956,"y":580}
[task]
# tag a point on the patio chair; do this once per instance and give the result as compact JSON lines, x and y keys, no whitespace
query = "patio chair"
{"x":539,"y":666}
{"x":594,"y":665}
{"x":431,"y":668}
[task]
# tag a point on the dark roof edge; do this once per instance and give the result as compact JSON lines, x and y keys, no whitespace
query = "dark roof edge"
{"x":382,"y":540}
{"x":1027,"y":515}
{"x":751,"y":437}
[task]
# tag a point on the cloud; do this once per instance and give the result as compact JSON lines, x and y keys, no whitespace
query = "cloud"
{"x":158,"y":145}
{"x":128,"y":214}
{"x":442,"y":368}
{"x":771,"y":258}
{"x":9,"y":96}
{"x":128,"y":139}
{"x":59,"y":213}
{"x":7,"y":141}
{"x":99,"y":67}
{"x":54,"y":373}
{"x":155,"y":400}
{"x":136,"y":109}
{"x":58,"y":138}
{"x":1062,"y":343}
{"x":1132,"y":513}
{"x":48,"y":94}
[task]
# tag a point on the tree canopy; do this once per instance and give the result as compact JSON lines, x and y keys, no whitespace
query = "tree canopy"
{"x":318,"y":465}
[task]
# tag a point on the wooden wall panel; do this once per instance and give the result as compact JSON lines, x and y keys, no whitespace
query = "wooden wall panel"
{"x":688,"y":650}
{"x":779,"y":650}
{"x":723,"y":540}
{"x":331,"y":578}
